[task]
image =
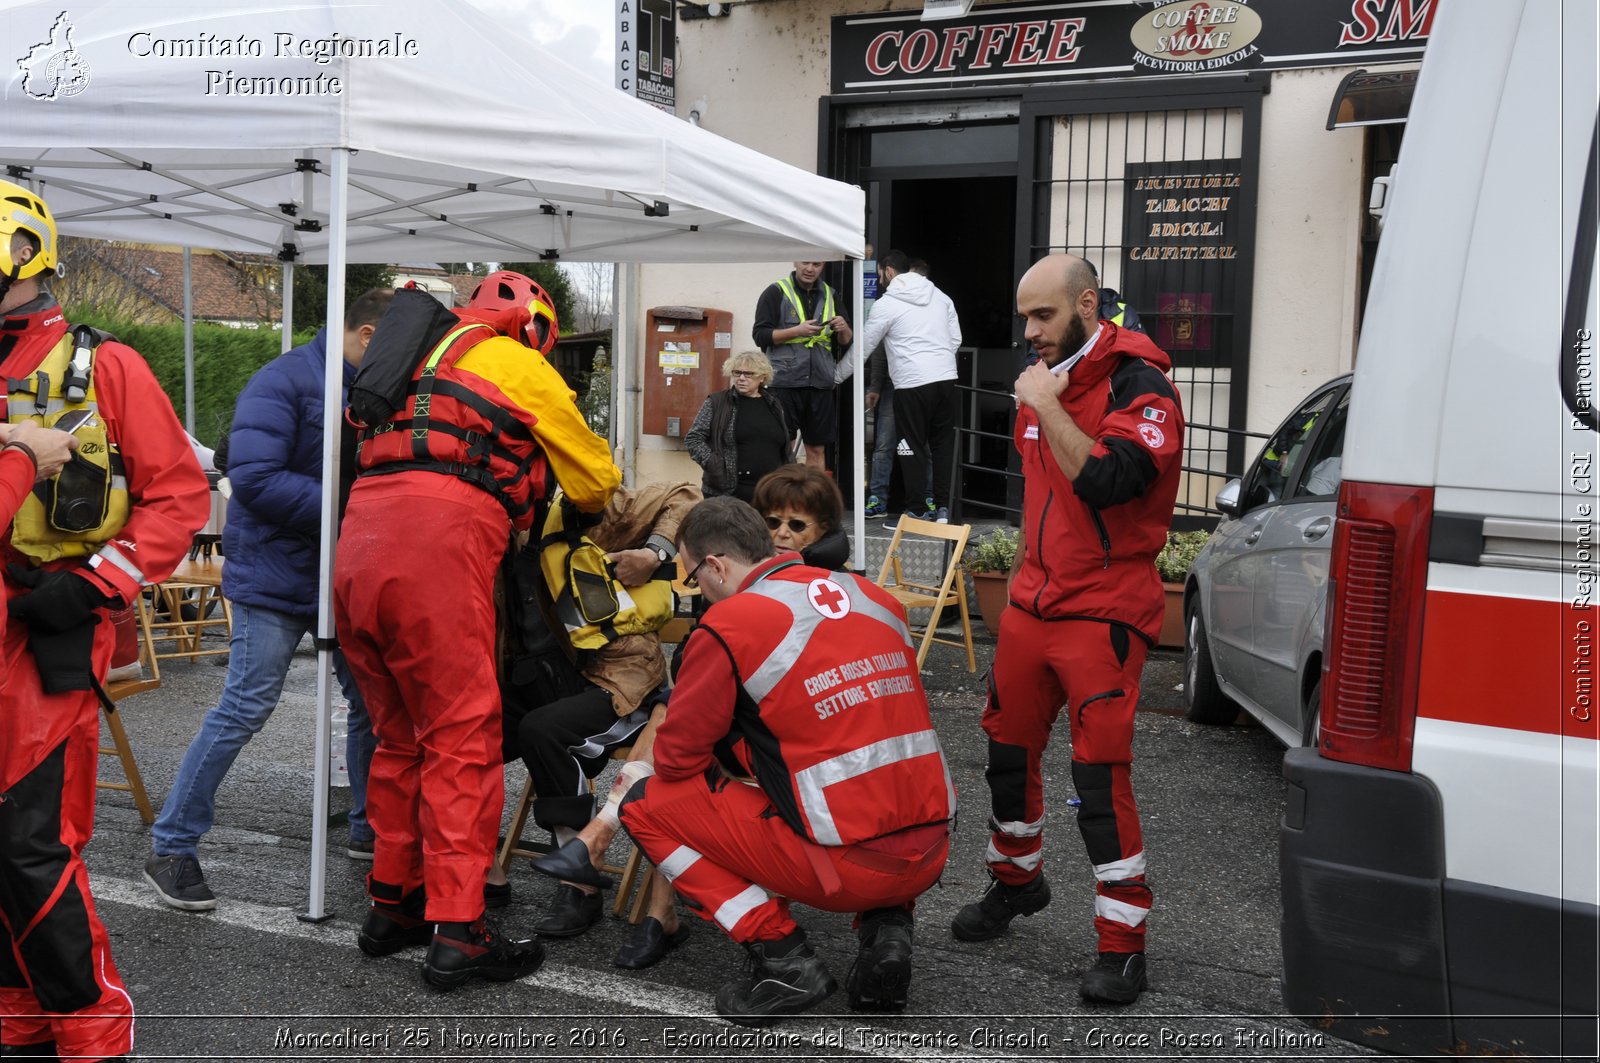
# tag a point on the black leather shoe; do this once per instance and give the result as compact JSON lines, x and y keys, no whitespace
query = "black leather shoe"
{"x":786,"y":978}
{"x":1116,"y":978}
{"x":485,"y":954}
{"x":40,"y":1050}
{"x":496,"y":894}
{"x":988,"y":918}
{"x":648,"y":944}
{"x":392,"y":927}
{"x":571,"y":863}
{"x":571,"y":913}
{"x":879,"y":978}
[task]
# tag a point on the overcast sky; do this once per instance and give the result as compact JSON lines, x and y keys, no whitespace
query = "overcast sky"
{"x":580,"y":31}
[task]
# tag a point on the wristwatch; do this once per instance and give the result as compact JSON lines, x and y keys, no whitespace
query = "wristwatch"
{"x":661,"y":554}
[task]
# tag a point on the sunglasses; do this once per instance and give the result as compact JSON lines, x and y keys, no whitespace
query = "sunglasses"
{"x":744,"y":372}
{"x":796,"y":525}
{"x":692,"y":580}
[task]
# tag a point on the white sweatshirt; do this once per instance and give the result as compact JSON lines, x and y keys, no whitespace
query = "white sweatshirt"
{"x":917,"y":325}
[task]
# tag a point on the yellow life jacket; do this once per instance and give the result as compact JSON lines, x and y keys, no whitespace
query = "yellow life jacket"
{"x":84,"y":505}
{"x":590,"y":602}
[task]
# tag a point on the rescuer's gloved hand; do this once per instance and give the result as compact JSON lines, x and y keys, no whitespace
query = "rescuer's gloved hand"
{"x":60,"y":601}
{"x":65,"y":658}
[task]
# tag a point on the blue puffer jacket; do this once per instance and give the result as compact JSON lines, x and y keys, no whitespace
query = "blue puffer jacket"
{"x":275,"y":467}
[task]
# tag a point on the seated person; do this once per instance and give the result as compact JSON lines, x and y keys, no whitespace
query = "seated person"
{"x":567,"y":742}
{"x":869,"y":837}
{"x":804,"y":512}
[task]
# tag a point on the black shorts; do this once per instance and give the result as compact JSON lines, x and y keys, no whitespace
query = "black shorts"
{"x":814,"y":411}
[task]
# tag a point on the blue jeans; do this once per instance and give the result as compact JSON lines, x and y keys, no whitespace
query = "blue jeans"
{"x":259,"y":653}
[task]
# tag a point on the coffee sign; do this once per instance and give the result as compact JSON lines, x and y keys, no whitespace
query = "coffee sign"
{"x":1196,"y":36}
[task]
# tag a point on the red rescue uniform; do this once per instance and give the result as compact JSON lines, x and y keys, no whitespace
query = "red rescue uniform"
{"x":803,"y":687}
{"x":413,"y":596}
{"x":1085,"y":608}
{"x":56,"y":966}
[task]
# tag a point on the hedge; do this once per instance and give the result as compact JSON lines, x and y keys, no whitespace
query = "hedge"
{"x":224,"y":360}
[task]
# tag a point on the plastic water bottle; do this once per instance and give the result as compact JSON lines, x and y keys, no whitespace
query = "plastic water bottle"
{"x":338,"y":771}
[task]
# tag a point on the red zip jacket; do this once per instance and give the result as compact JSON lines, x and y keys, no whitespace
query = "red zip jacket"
{"x":1092,"y":542}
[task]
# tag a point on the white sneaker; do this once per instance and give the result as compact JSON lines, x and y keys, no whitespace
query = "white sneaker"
{"x":124,"y":673}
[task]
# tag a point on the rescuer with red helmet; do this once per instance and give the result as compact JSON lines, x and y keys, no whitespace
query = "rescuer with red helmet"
{"x":119,"y":516}
{"x":443,"y":487}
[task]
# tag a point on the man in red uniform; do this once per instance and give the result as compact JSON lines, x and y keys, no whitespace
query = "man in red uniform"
{"x":797,"y":762}
{"x":443,"y":485}
{"x":1100,"y":431}
{"x":123,"y":518}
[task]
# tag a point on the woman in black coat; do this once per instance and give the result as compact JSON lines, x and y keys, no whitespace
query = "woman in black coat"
{"x":740,"y":433}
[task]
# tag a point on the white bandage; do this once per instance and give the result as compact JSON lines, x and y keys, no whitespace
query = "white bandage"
{"x":631,"y":773}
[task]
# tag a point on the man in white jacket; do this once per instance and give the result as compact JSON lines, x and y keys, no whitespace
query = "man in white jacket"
{"x":917,"y":325}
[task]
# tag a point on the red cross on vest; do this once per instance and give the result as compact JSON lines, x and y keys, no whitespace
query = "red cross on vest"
{"x":829,"y":599}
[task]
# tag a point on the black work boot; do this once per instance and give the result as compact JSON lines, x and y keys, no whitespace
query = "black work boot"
{"x":879,"y":978}
{"x":785,"y":978}
{"x":394,"y":922}
{"x":571,"y":913}
{"x":1116,"y":978}
{"x":474,"y":950}
{"x":37,"y":1050}
{"x":988,"y":918}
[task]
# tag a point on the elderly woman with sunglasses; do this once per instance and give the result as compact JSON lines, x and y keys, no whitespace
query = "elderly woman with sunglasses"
{"x":740,"y":433}
{"x":804,"y":512}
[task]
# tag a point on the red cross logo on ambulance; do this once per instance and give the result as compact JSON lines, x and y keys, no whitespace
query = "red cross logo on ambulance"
{"x":829,"y":599}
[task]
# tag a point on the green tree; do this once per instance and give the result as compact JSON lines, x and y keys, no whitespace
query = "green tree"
{"x":311,"y":289}
{"x":555,"y":281}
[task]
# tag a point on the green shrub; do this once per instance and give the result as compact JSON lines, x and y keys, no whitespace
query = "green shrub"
{"x":995,"y":552}
{"x":1176,"y":558}
{"x":224,"y":360}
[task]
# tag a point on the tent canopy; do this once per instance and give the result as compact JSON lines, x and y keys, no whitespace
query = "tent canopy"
{"x":215,"y":126}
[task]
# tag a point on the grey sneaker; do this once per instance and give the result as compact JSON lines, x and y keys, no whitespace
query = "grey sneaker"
{"x":180,"y":883}
{"x":941,"y":516}
{"x":359,"y":849}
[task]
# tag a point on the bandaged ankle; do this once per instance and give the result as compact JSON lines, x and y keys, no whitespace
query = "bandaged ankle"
{"x":631,"y":773}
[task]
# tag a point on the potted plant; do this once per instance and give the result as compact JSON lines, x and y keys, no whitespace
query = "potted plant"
{"x":989,"y":560}
{"x":1172,"y":564}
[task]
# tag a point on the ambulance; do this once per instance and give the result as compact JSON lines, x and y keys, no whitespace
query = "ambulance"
{"x":1438,"y":848}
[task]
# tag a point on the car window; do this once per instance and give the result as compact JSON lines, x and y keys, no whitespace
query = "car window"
{"x":1323,"y":463}
{"x":1284,"y":452}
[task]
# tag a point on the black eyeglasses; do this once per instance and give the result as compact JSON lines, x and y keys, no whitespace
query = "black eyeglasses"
{"x":692,"y":580}
{"x":796,"y":525}
{"x":744,"y":372}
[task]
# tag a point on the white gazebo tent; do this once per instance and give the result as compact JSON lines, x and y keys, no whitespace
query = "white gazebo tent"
{"x":343,"y":130}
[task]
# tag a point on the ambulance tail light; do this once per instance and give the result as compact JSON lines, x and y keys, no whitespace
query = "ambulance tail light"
{"x":1377,"y":584}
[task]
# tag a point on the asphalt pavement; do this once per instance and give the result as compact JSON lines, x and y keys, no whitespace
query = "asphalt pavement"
{"x":252,"y":980}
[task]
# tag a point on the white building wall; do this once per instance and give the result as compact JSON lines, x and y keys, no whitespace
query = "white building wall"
{"x":756,"y":76}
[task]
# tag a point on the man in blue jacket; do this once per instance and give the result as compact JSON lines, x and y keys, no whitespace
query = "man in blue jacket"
{"x":272,"y":544}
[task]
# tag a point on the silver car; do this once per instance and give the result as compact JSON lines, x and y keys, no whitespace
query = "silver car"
{"x":1253,"y":601}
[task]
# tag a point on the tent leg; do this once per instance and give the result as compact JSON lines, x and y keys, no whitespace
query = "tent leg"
{"x":333,"y":398}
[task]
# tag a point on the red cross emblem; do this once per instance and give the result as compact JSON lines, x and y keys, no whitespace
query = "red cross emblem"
{"x":829,"y":599}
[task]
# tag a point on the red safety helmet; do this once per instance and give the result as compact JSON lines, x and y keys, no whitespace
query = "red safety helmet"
{"x":505,"y":290}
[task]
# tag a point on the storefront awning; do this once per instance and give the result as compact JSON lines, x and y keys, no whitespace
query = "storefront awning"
{"x":1365,"y":98}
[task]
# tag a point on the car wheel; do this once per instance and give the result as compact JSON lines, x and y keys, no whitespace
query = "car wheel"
{"x":1204,"y":701}
{"x":1313,"y":733}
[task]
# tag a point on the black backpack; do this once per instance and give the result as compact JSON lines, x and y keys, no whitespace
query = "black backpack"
{"x":412,"y":326}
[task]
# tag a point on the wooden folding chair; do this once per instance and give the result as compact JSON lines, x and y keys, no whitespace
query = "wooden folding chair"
{"x":120,"y":747}
{"x":195,"y":585}
{"x":951,"y":590}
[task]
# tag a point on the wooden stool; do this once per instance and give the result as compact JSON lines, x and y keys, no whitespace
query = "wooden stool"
{"x":628,"y":872}
{"x":120,"y":747}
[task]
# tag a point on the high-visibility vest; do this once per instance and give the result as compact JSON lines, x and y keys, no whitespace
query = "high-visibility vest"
{"x":833,"y":716}
{"x":797,"y":308}
{"x":74,"y":512}
{"x":591,"y":603}
{"x":448,"y":426}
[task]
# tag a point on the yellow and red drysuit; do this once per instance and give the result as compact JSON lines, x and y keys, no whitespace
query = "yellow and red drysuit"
{"x":441,"y":489}
{"x":805,"y":680}
{"x":57,"y":979}
{"x":1085,"y":608}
